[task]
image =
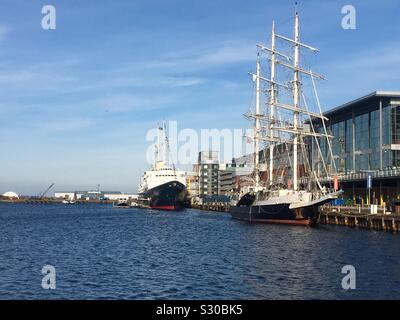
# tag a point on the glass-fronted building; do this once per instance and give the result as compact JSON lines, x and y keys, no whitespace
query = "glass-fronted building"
{"x":366,"y":141}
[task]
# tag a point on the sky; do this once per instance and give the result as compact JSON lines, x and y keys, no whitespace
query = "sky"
{"x":76,"y":102}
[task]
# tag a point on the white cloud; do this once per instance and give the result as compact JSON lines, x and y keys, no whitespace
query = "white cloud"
{"x":119,"y":103}
{"x":66,"y":125}
{"x":362,"y":72}
{"x":226,"y":53}
{"x":145,"y":81}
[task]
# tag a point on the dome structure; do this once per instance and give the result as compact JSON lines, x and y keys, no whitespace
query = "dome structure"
{"x":11,"y":195}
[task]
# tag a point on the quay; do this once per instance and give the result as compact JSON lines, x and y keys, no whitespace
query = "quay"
{"x":359,"y":216}
{"x":212,"y":206}
{"x":364,"y":217}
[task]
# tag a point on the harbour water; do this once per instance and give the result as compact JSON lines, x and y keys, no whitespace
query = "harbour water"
{"x":100,"y":252}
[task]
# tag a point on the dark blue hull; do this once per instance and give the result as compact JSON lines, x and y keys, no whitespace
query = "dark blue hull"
{"x":168,"y":196}
{"x":279,"y":214}
{"x":274,"y":213}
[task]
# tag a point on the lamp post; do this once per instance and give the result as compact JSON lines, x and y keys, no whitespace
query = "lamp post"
{"x":369,"y":186}
{"x":369,"y":183}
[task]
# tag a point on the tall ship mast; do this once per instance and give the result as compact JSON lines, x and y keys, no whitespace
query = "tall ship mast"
{"x":292,"y":192}
{"x":163,"y":187}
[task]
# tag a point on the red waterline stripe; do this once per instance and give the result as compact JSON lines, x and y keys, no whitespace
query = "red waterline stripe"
{"x":290,"y":222}
{"x":275,"y":221}
{"x":164,"y":207}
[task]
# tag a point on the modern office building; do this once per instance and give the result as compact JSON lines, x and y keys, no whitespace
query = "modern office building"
{"x":366,"y":141}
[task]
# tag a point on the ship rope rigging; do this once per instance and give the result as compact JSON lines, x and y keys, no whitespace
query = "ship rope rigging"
{"x":162,"y":148}
{"x":273,"y":127}
{"x":283,"y":122}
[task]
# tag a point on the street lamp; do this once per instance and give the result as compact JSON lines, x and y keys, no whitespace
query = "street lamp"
{"x":369,"y":183}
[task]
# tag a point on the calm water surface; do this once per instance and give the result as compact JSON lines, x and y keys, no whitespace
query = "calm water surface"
{"x":100,"y":252}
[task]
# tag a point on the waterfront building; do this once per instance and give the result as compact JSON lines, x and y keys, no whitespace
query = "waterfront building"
{"x":282,"y":167}
{"x":117,"y":195}
{"x":93,"y":195}
{"x":208,"y":166}
{"x":366,"y":141}
{"x":192,"y":182}
{"x":230,"y":177}
{"x":67,"y":195}
{"x":10,"y":195}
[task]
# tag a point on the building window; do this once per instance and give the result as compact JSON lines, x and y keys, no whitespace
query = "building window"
{"x":396,"y":125}
{"x":348,"y":140}
{"x":362,"y":141}
{"x":386,"y":126}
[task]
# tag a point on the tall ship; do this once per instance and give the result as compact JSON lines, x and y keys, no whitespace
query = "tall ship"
{"x":162,"y":187}
{"x":285,"y":188}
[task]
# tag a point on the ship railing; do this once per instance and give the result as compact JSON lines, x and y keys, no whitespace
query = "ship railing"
{"x":363,"y":175}
{"x":356,"y":209}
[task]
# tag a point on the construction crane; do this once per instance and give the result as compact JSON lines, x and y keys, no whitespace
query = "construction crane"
{"x":47,"y":190}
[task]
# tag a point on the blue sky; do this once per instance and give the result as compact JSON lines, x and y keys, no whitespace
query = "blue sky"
{"x":76,"y":102}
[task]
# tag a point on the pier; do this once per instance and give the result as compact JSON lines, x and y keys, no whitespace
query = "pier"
{"x":363,"y":217}
{"x":349,"y":216}
{"x":212,"y":206}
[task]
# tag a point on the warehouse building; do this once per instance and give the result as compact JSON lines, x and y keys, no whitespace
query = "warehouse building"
{"x":93,"y":195}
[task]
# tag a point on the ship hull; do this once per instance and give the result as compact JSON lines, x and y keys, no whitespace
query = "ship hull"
{"x":168,"y":196}
{"x":306,"y":214}
{"x":277,"y":214}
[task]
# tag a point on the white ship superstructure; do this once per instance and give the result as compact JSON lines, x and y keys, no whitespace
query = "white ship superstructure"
{"x":159,"y":175}
{"x":163,"y":186}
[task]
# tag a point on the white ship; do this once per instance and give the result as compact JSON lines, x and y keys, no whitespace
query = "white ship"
{"x":163,"y":186}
